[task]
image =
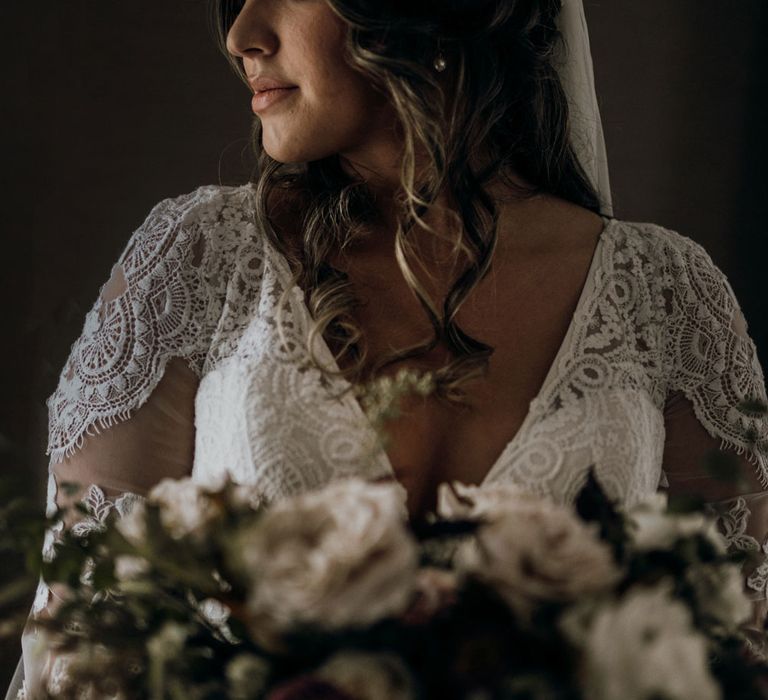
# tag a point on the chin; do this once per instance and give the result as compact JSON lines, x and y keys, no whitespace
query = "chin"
{"x":295,"y":152}
{"x":282,"y":153}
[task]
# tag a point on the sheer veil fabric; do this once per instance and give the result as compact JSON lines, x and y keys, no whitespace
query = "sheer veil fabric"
{"x":575,"y":68}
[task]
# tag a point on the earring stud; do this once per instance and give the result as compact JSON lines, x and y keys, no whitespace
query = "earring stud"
{"x":439,"y":64}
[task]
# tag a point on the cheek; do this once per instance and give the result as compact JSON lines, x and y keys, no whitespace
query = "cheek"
{"x":336,"y":108}
{"x":321,"y":123}
{"x":331,"y":84}
{"x":346,"y":116}
{"x":342,"y":95}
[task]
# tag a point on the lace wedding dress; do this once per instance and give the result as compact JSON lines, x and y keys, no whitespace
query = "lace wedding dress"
{"x":184,"y":363}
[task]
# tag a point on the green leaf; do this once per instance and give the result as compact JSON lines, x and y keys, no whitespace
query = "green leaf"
{"x":593,"y":505}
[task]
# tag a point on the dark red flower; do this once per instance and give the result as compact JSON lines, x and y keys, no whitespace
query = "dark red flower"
{"x":308,"y":687}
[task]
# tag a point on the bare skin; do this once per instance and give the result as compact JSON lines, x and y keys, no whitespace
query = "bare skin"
{"x":524,"y":306}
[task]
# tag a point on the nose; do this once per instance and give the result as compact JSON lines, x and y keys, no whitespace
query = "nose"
{"x":250,"y":32}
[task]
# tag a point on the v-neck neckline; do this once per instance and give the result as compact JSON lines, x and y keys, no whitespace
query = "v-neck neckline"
{"x":347,"y":394}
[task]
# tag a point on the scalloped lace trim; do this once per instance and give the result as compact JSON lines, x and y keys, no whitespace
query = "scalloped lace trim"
{"x":734,"y":521}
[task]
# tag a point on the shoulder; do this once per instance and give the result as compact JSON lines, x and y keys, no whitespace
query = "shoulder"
{"x":197,"y":235}
{"x":659,"y":246}
{"x":205,"y":200}
{"x":662,"y":281}
{"x":673,"y":265}
{"x":226,"y":207}
{"x":674,"y":280}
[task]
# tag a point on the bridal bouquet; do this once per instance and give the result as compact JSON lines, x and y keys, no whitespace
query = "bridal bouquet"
{"x":210,"y":593}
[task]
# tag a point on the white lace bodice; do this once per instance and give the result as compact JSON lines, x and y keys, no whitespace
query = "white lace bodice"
{"x":201,"y":282}
{"x":655,"y":316}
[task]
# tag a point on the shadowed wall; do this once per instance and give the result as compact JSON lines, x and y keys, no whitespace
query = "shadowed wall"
{"x":110,"y":107}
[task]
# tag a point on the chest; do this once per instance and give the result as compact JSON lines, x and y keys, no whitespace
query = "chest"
{"x":523,"y":309}
{"x":268,"y":418}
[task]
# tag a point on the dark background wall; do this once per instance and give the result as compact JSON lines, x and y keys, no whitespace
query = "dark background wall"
{"x":109,"y":107}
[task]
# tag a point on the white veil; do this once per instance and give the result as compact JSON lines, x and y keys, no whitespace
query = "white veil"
{"x":578,"y":79}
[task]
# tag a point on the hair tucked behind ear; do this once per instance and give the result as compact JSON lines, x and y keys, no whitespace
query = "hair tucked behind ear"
{"x":512,"y":109}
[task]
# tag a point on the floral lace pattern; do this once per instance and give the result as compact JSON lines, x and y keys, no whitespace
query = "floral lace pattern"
{"x":758,"y":580}
{"x":711,"y":356}
{"x":170,"y":306}
{"x":734,"y":520}
{"x":98,"y":507}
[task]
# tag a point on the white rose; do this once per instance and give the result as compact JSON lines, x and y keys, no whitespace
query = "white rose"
{"x":335,"y":557}
{"x":133,"y":525}
{"x":69,"y":669}
{"x":128,"y":567}
{"x":186,"y":508}
{"x":652,"y":527}
{"x":457,"y":501}
{"x":535,"y":551}
{"x":248,"y":495}
{"x":643,"y":647}
{"x":368,"y":676}
{"x":720,"y":594}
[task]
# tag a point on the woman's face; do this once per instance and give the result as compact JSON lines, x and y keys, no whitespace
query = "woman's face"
{"x":334,"y":109}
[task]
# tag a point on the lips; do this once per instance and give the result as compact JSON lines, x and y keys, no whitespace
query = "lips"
{"x":263,"y":99}
{"x":264,"y":83}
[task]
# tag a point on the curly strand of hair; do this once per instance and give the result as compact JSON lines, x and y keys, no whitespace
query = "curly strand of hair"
{"x":507,"y":103}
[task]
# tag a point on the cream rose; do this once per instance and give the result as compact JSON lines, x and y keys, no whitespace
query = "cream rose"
{"x":652,"y":527}
{"x":642,"y":647}
{"x":465,"y":501}
{"x":65,"y":678}
{"x":133,"y":525}
{"x":534,"y":550}
{"x":129,"y":567}
{"x":720,"y":594}
{"x":186,"y":508}
{"x":340,"y":556}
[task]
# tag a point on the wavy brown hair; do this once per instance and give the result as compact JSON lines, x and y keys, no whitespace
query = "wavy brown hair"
{"x":513,"y":110}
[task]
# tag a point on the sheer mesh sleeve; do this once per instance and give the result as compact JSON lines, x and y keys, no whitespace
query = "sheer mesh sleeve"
{"x":122,"y":416}
{"x":716,"y":385}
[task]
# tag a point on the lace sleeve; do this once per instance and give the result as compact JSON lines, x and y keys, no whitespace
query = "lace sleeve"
{"x":714,"y":376}
{"x":122,"y":416}
{"x":160,"y":302}
{"x":711,"y":358}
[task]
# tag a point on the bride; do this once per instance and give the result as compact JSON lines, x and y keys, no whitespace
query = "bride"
{"x":431,"y":192}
